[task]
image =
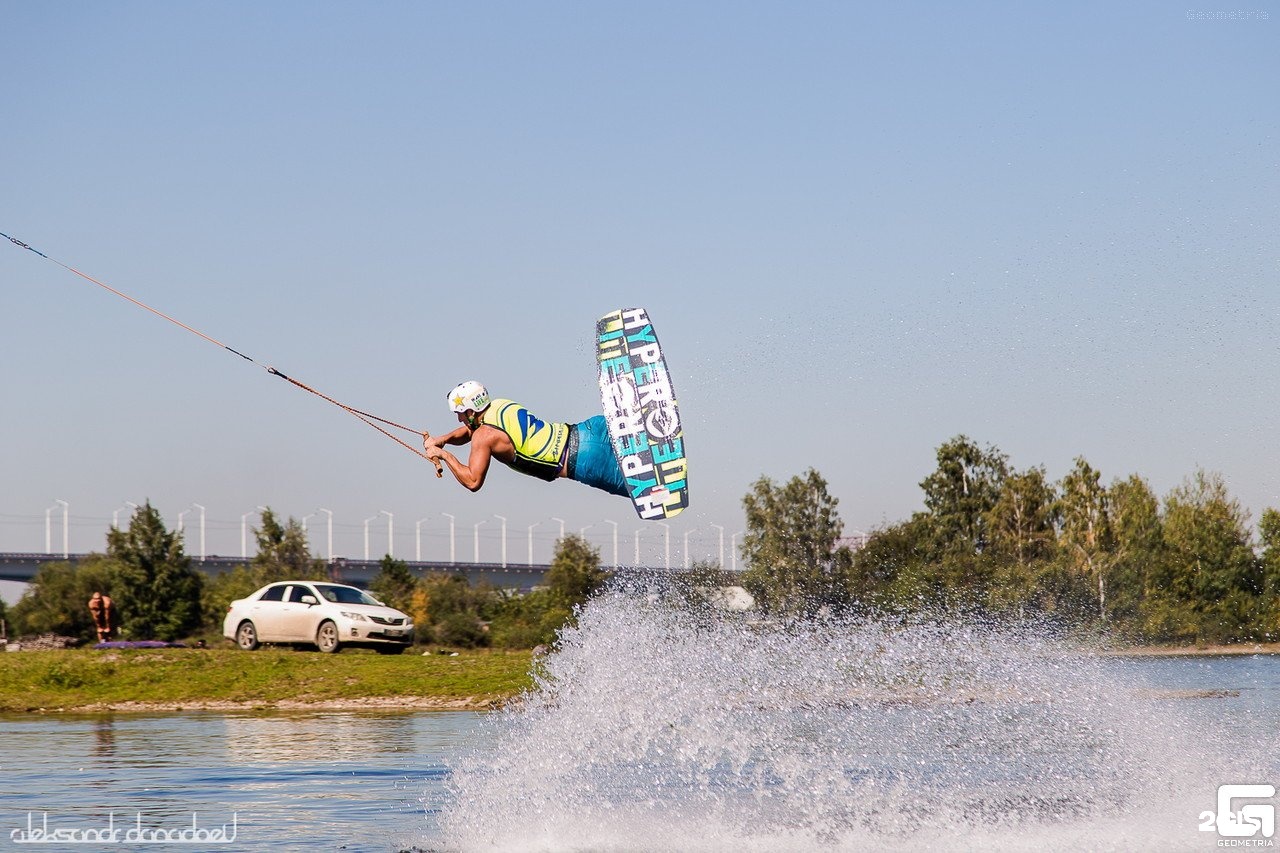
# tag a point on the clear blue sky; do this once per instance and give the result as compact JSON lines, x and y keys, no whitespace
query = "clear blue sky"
{"x":860,"y":229}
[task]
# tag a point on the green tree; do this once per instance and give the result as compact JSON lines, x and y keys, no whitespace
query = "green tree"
{"x":575,"y":574}
{"x":1269,"y":540}
{"x":795,"y":565}
{"x":1269,"y":535}
{"x":448,"y":610}
{"x":393,"y":585}
{"x":1213,"y":572}
{"x":1021,"y":529}
{"x":1139,"y":556}
{"x":1021,"y":522}
{"x":891,"y":569}
{"x":156,"y":592}
{"x":525,"y":621}
{"x":283,"y":552}
{"x":961,"y":493}
{"x":1086,"y":540}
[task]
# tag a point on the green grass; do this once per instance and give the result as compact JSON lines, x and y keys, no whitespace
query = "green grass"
{"x":74,"y":679}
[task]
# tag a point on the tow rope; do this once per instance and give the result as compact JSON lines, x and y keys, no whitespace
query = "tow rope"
{"x":366,"y":417}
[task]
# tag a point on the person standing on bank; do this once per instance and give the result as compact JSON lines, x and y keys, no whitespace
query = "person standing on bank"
{"x":103,"y":615}
{"x":507,"y":431}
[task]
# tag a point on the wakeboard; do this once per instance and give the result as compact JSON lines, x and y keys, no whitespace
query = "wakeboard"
{"x":640,"y":408}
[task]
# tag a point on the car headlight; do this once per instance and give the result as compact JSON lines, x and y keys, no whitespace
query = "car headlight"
{"x":357,"y":617}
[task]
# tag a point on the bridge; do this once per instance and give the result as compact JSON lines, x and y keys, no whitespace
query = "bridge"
{"x":22,"y":567}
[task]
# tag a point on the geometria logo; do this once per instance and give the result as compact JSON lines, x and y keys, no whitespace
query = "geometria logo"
{"x":1242,"y":824}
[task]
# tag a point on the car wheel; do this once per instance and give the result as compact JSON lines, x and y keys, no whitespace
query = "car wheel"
{"x":327,"y":637}
{"x":391,"y":650}
{"x":247,"y":636}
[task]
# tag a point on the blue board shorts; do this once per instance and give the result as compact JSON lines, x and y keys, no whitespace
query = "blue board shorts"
{"x":590,"y":459}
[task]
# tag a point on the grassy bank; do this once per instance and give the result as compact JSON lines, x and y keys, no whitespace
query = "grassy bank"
{"x":173,"y":679}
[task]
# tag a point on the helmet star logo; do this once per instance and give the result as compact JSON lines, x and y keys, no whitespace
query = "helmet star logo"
{"x":457,"y":401}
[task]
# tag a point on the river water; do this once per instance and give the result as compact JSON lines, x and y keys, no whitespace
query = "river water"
{"x":652,"y":732}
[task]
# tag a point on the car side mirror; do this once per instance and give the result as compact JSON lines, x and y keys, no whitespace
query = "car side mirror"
{"x":309,"y":600}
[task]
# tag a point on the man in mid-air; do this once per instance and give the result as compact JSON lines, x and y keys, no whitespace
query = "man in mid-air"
{"x":507,"y":431}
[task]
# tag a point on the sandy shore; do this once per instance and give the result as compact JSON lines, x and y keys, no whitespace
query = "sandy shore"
{"x":1193,"y":651}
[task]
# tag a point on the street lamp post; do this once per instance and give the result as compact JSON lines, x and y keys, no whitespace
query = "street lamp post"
{"x":638,"y":531}
{"x":202,"y":551}
{"x":329,"y":513}
{"x":733,"y":549}
{"x":615,"y":541}
{"x":721,"y":557}
{"x":667,"y":527}
{"x":475,"y":554}
{"x":181,"y":516}
{"x":390,"y":532}
{"x":366,"y":536}
{"x":305,"y":519}
{"x":686,"y":548}
{"x":417,"y":538}
{"x":561,"y":520}
{"x":452,"y":555}
{"x":48,"y":527}
{"x":66,"y":524}
{"x":531,"y":526}
{"x":244,"y":539}
{"x":115,"y":516}
{"x":503,"y":519}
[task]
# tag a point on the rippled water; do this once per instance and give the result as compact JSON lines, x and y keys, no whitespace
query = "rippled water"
{"x":281,"y":781}
{"x":659,"y":730}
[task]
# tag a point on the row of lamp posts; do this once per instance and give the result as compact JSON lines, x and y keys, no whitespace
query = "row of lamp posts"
{"x":244,"y":541}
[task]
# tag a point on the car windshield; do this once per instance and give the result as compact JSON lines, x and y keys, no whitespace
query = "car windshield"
{"x":345,"y":594}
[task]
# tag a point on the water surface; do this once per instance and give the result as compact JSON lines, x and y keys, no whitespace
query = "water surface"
{"x":657,"y":733}
{"x":323,"y":781}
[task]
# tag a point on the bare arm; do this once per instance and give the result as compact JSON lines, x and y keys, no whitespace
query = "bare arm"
{"x":461,"y":435}
{"x":471,"y":474}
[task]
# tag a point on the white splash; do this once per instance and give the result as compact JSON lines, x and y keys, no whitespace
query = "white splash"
{"x":660,"y":727}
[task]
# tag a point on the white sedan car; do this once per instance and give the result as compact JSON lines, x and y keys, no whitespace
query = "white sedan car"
{"x":326,"y":615}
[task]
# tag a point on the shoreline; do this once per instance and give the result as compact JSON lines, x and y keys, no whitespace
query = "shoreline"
{"x":380,"y":700}
{"x":1232,"y":650}
{"x":480,"y":705}
{"x":372,"y":704}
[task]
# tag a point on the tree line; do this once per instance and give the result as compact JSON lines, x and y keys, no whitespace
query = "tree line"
{"x":990,"y":539}
{"x":159,"y":595}
{"x":993,"y":539}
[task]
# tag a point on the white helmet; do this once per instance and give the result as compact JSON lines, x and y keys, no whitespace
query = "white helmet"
{"x":469,"y":395}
